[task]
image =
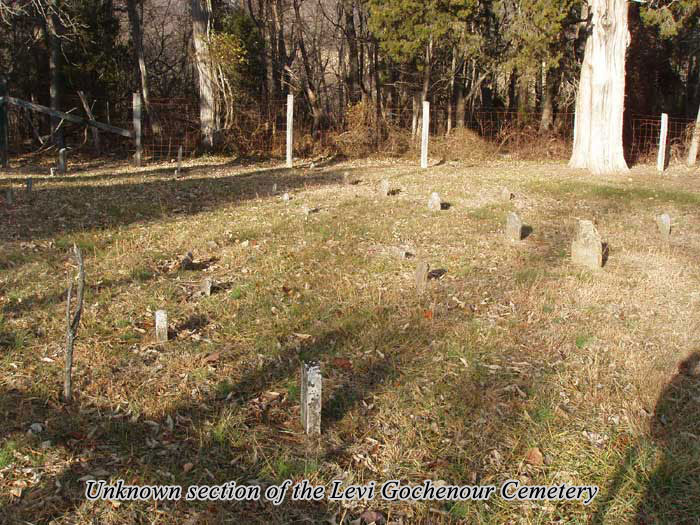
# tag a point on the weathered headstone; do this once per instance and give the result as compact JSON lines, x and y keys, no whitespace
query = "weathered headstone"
{"x":506,"y":195}
{"x":52,"y":171}
{"x":514,"y":227}
{"x":161,"y":326}
{"x":346,"y":178}
{"x":206,"y":287}
{"x":587,"y":246}
{"x":62,"y":160}
{"x":187,"y":261}
{"x":663,"y":221}
{"x":435,"y":204}
{"x":285,"y":197}
{"x":383,"y":189}
{"x":274,"y":188}
{"x":311,"y":389}
{"x":29,"y":182}
{"x":422,"y":269}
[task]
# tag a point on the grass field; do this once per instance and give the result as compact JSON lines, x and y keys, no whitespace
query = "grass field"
{"x":515,"y":364}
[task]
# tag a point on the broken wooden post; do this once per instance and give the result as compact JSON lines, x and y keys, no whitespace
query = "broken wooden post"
{"x":290,"y":129}
{"x":73,"y":323}
{"x":311,"y":387}
{"x":62,"y":163}
{"x":424,"y":136}
{"x":661,"y":160}
{"x":136,"y":99}
{"x":88,"y":112}
{"x":161,"y":326}
{"x":4,"y":128}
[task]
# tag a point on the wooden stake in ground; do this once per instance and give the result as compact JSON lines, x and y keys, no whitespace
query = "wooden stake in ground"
{"x":311,"y":385}
{"x":72,"y":323}
{"x":4,"y":129}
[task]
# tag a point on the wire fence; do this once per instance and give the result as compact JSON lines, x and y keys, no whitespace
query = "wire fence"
{"x":255,"y":128}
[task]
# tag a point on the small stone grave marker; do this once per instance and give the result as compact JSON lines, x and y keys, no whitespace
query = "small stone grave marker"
{"x":435,"y":204}
{"x":161,"y":326}
{"x":346,"y":178}
{"x":384,"y":188}
{"x":62,"y":160}
{"x":206,"y":287}
{"x":311,"y":389}
{"x":587,"y":246}
{"x":422,"y":269}
{"x":187,"y":262}
{"x":663,"y":221}
{"x":514,"y":227}
{"x":285,"y":197}
{"x":52,"y":171}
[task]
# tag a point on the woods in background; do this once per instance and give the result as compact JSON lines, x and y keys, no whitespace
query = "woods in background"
{"x":237,"y":60}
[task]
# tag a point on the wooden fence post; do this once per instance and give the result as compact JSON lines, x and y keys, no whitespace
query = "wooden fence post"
{"x":137,"y":127}
{"x":661,"y":160}
{"x":4,"y":131}
{"x":424,"y":136}
{"x":290,"y":129}
{"x":88,"y":112}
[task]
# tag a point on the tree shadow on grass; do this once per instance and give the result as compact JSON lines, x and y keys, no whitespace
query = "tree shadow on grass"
{"x":96,"y":439}
{"x":63,"y":210}
{"x":671,"y":492}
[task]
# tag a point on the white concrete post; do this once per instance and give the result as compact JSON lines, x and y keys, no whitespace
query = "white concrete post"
{"x":311,"y":384}
{"x":161,"y":326}
{"x":424,"y":136}
{"x":661,"y":160}
{"x":290,"y":128}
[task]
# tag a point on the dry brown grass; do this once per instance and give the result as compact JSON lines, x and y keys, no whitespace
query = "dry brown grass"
{"x":513,"y":348}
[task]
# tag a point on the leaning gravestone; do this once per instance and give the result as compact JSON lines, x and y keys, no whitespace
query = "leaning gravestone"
{"x":663,"y":221}
{"x":434,"y":204}
{"x":587,"y":246}
{"x":161,"y":326}
{"x":383,"y":189}
{"x":62,"y":160}
{"x":422,"y":269}
{"x":514,"y":227}
{"x":311,"y":386}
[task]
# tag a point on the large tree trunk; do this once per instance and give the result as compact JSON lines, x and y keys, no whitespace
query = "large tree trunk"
{"x":201,"y":14}
{"x":354,"y":80}
{"x":600,"y":101}
{"x":549,"y":90}
{"x":137,"y":40}
{"x":53,"y":35}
